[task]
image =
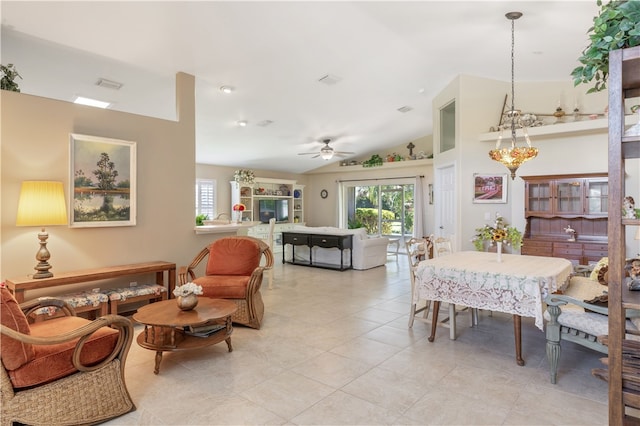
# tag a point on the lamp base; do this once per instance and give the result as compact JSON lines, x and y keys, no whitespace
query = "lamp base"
{"x":42,"y":257}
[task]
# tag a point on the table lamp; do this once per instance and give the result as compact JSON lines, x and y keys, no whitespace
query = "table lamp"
{"x":42,"y":204}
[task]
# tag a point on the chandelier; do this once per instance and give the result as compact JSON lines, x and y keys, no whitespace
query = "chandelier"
{"x":513,"y":156}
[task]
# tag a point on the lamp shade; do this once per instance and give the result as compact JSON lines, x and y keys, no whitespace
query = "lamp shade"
{"x":41,"y":204}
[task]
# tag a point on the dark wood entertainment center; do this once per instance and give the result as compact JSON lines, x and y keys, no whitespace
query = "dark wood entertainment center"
{"x":555,"y":202}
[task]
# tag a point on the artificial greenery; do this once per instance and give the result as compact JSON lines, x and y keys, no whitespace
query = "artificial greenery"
{"x":201,"y":218}
{"x":500,"y":232}
{"x":617,"y":26}
{"x":9,"y":74}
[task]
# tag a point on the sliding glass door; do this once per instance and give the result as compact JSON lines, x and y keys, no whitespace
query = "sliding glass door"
{"x":385,"y":208}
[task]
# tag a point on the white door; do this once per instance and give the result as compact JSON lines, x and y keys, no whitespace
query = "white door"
{"x":446,"y":202}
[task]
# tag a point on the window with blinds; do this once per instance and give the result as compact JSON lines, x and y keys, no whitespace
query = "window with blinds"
{"x":206,"y":197}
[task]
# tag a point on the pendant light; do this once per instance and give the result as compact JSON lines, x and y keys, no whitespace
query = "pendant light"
{"x":513,"y":156}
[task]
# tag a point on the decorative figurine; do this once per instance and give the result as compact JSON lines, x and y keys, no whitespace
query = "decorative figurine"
{"x":572,"y":233}
{"x":628,"y":206}
{"x":633,"y":268}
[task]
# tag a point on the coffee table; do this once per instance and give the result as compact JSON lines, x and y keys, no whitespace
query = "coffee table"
{"x":166,"y":327}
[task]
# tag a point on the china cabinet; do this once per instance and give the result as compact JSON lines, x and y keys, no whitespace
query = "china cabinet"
{"x":564,"y":195}
{"x":566,"y":216}
{"x":624,"y":143}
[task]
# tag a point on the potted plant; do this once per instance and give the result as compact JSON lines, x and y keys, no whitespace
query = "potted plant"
{"x":9,"y":74}
{"x":617,"y":26}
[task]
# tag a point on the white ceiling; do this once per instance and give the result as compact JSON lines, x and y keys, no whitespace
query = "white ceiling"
{"x":388,"y":54}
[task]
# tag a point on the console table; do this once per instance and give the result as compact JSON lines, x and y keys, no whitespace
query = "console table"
{"x":339,"y":241}
{"x":18,"y":286}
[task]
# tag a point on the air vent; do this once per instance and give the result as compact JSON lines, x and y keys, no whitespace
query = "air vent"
{"x":264,"y":123}
{"x":405,"y":108}
{"x":329,"y":79}
{"x":109,"y":84}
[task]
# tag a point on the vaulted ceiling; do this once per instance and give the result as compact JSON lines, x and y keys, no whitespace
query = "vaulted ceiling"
{"x":385,"y":55}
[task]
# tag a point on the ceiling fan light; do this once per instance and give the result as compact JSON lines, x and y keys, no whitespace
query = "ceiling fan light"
{"x":326,"y":153}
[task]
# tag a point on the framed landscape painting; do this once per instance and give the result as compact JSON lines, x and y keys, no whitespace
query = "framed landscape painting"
{"x":490,"y":188}
{"x":103,"y":182}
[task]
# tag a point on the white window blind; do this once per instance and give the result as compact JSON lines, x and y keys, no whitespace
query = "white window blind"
{"x":206,"y":197}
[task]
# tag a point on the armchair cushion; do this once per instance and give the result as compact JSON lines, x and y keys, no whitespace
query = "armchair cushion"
{"x":223,"y":258}
{"x":52,"y":362}
{"x":12,"y":352}
{"x":223,"y":286}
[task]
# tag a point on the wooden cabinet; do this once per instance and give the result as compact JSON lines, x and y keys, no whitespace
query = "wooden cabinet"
{"x":623,"y":84}
{"x":555,"y":204}
{"x":558,"y":195}
{"x":286,"y":194}
{"x":580,"y":253}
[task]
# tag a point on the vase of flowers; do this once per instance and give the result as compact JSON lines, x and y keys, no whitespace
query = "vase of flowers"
{"x":187,"y":295}
{"x":237,"y":211}
{"x":497,"y":235}
{"x":244,"y":176}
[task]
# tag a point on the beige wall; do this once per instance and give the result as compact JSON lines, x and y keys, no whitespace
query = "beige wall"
{"x":35,"y":146}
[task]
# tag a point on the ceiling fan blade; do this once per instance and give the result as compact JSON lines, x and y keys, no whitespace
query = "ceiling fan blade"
{"x":343,"y":152}
{"x":307,"y":153}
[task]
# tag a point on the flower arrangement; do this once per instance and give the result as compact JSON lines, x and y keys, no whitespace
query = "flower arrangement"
{"x":239,"y":207}
{"x":244,"y":176}
{"x":187,"y":289}
{"x":500,"y":232}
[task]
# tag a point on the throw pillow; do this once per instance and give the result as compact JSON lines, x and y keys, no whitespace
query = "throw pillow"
{"x":14,"y":354}
{"x":602,"y":262}
{"x":603,"y":275}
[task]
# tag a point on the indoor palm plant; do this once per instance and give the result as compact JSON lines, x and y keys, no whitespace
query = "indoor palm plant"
{"x":617,"y":26}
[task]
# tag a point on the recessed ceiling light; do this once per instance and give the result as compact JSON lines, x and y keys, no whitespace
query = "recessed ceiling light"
{"x":264,"y":123}
{"x":227,"y":89}
{"x":405,"y":108}
{"x":91,"y":102}
{"x":242,"y":123}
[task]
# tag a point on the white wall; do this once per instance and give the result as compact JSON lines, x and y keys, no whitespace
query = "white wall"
{"x":478,"y":106}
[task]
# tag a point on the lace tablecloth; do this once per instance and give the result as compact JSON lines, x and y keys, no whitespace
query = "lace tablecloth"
{"x":517,"y":285}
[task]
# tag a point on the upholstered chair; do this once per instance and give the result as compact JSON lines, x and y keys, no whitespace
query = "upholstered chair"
{"x":67,"y":370}
{"x":232,"y":271}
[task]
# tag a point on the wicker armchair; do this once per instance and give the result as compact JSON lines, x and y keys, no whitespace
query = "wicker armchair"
{"x":63,"y":371}
{"x":233,"y":272}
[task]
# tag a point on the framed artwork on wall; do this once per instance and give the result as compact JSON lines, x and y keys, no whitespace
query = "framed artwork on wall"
{"x":102,"y":182}
{"x":489,"y":188}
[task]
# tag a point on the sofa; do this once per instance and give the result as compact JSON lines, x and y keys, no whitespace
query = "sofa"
{"x":368,"y":251}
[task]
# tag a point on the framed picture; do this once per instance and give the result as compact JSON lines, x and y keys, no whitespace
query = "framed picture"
{"x":489,"y":188}
{"x":103,"y":182}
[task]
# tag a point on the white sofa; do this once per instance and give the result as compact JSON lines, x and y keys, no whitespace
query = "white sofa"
{"x":368,"y":252}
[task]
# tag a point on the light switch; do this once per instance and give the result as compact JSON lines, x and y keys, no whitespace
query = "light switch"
{"x":487,"y":216}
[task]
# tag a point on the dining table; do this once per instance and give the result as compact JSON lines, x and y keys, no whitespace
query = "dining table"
{"x":510,"y":283}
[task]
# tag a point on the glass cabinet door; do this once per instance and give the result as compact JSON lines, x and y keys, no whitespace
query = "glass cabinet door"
{"x":538,"y":197}
{"x":597,"y":196}
{"x":569,"y":196}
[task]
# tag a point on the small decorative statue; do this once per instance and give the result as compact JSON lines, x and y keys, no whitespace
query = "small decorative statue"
{"x":572,"y":233}
{"x":628,"y":208}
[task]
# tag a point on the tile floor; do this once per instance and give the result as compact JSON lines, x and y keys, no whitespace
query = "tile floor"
{"x":335,"y":349}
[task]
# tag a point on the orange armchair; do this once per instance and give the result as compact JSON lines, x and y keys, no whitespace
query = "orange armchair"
{"x":66,"y":370}
{"x":233,"y":272}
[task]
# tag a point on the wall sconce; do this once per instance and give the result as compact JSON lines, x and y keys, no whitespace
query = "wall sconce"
{"x":42,"y":204}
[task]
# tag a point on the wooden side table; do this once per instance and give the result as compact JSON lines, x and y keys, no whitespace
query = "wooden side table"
{"x":166,"y":326}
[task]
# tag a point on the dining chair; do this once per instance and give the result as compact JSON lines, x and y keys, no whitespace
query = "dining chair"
{"x":418,"y":249}
{"x":442,"y":246}
{"x":272,"y":227}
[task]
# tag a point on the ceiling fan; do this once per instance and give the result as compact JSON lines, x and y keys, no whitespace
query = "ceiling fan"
{"x":326,"y":152}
